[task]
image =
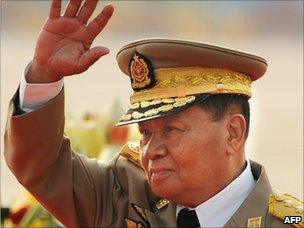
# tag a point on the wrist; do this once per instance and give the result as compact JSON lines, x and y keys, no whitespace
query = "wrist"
{"x":37,"y":75}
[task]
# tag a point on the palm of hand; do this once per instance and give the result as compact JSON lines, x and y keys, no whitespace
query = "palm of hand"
{"x":61,"y":44}
{"x":64,"y":45}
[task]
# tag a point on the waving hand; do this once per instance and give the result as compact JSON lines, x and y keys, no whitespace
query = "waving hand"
{"x":64,"y":44}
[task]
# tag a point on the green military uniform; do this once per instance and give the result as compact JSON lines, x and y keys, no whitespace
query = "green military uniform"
{"x":82,"y":192}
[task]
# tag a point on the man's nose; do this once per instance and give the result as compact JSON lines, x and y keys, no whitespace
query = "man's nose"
{"x":155,"y":147}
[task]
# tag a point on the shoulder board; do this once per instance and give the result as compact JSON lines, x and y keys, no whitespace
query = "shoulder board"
{"x":281,"y":205}
{"x":131,"y":152}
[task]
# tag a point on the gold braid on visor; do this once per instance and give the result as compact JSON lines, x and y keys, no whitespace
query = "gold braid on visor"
{"x":185,"y":81}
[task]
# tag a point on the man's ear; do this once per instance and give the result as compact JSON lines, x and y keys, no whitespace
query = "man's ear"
{"x":236,"y":128}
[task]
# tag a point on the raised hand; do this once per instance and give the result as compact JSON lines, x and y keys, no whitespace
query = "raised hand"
{"x":64,"y":44}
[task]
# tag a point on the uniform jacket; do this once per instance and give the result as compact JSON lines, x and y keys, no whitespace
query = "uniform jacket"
{"x":82,"y":192}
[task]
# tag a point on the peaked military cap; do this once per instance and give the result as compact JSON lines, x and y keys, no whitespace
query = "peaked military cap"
{"x":167,"y":76}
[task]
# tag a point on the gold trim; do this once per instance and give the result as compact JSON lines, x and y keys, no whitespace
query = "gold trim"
{"x":161,"y":203}
{"x":184,"y":81}
{"x":133,"y":224}
{"x":125,"y":117}
{"x":151,"y":112}
{"x":131,"y":152}
{"x":134,"y":106}
{"x":145,"y":104}
{"x":134,"y":146}
{"x":166,"y":108}
{"x":178,"y":102}
{"x":137,"y":115}
{"x":140,"y":211}
{"x":281,"y":205}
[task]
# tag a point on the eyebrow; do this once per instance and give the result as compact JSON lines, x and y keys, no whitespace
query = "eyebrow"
{"x":169,"y":118}
{"x":177,"y":118}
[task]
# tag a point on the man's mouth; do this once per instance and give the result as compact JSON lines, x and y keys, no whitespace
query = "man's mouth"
{"x":158,"y":175}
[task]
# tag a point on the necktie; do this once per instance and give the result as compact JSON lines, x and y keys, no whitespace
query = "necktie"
{"x":187,"y":219}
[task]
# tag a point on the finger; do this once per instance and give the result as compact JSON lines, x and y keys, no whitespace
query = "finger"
{"x":86,"y":10}
{"x":72,"y":8}
{"x":90,"y":57}
{"x":96,"y":26}
{"x":55,"y":9}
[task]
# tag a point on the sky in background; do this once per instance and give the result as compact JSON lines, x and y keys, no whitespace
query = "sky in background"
{"x":271,"y":29}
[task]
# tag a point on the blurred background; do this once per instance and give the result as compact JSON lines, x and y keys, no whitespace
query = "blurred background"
{"x":271,"y":29}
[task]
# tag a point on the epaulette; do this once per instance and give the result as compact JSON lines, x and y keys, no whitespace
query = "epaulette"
{"x":286,"y":207}
{"x":131,"y":152}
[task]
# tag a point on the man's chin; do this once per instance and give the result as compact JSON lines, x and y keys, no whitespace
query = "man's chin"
{"x":164,"y":191}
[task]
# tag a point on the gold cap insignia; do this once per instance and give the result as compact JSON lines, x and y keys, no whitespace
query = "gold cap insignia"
{"x":141,"y":72}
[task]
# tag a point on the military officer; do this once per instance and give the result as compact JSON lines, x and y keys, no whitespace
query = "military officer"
{"x":190,"y":102}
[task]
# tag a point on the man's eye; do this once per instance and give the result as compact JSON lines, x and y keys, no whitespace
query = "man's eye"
{"x":144,"y":134}
{"x":170,"y":129}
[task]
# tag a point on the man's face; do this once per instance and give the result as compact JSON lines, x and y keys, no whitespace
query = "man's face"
{"x":184,"y":154}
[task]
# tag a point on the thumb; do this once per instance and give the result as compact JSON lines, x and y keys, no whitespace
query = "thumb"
{"x":88,"y":58}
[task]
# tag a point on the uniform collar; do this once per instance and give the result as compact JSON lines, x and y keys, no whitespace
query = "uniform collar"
{"x":256,"y":204}
{"x":216,"y":211}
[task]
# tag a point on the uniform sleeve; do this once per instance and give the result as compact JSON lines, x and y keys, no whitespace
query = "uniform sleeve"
{"x":78,"y":191}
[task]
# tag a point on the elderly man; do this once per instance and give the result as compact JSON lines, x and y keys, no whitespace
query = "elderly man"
{"x":190,"y":101}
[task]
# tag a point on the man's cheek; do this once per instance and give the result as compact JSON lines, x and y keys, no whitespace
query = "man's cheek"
{"x":173,"y":141}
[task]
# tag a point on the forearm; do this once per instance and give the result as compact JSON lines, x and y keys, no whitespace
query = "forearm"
{"x":73,"y":188}
{"x":33,"y":149}
{"x":27,"y":130}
